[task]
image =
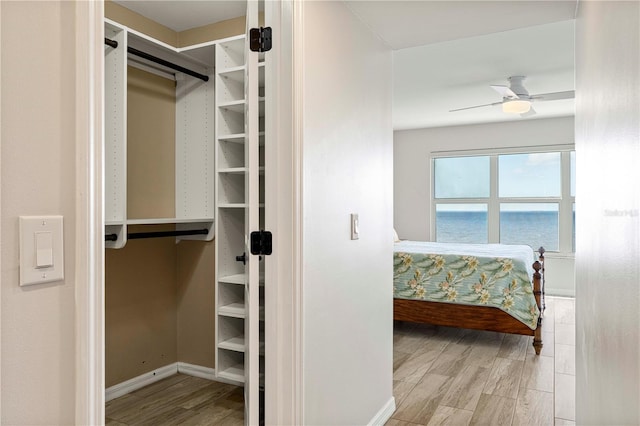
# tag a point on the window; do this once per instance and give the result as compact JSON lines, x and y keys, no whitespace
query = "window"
{"x":509,"y":198}
{"x":462,"y":177}
{"x":529,"y":175}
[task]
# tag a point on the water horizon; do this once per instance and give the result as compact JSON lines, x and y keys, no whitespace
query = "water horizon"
{"x":534,"y":228}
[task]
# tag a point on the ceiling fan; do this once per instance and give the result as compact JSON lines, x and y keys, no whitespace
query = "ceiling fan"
{"x":516,"y":99}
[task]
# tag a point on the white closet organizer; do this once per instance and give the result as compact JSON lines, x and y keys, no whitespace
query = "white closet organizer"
{"x":233,"y":206}
{"x":194,"y":138}
{"x":223,"y":127}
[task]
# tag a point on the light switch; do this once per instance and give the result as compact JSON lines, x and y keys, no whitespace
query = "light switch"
{"x":41,"y":249}
{"x":44,"y":250}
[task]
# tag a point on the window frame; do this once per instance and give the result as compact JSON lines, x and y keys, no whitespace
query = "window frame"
{"x":565,"y":201}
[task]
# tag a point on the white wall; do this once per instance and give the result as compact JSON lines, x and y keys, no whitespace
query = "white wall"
{"x":37,"y":176}
{"x":412,"y":174}
{"x":347,"y":168}
{"x":608,"y":202}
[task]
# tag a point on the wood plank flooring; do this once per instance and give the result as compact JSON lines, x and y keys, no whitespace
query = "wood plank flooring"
{"x":448,"y":376}
{"x":442,"y":376}
{"x":179,"y":400}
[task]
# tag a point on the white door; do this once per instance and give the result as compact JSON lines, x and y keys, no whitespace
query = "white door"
{"x":252,"y":224}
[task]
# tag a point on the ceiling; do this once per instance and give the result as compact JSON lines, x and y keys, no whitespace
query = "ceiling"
{"x":433,"y":79}
{"x":402,"y":24}
{"x":186,"y":14}
{"x":446,"y":53}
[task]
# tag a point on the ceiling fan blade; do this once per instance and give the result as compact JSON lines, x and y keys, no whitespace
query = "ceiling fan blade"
{"x":477,"y":106}
{"x":505,"y":92}
{"x":569,"y":94}
{"x":529,"y":113}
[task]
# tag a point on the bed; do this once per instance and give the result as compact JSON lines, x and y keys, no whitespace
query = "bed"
{"x":490,"y":287}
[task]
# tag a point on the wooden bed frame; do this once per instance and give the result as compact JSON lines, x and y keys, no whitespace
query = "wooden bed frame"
{"x":476,"y":317}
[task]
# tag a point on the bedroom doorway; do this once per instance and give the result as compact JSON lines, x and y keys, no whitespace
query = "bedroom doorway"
{"x":457,"y":81}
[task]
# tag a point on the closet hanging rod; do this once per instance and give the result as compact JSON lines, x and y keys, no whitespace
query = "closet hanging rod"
{"x":157,"y":60}
{"x":111,"y":43}
{"x":157,"y":234}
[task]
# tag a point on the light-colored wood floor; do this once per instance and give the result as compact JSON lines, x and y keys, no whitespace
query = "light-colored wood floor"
{"x":179,"y":400}
{"x":442,"y":376}
{"x":447,"y":376}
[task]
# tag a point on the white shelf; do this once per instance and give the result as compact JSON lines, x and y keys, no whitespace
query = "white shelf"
{"x":235,"y":106}
{"x":238,"y":279}
{"x":232,"y":72}
{"x":234,"y":344}
{"x":235,"y":373}
{"x":232,"y":279}
{"x":237,"y":137}
{"x":235,"y":310}
{"x":235,"y":170}
{"x":238,"y":106}
{"x":167,"y":220}
{"x":232,"y":205}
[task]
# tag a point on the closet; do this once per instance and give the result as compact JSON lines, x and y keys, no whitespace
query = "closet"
{"x":184,"y":189}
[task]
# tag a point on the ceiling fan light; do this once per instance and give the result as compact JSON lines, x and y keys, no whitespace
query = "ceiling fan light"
{"x":516,"y":106}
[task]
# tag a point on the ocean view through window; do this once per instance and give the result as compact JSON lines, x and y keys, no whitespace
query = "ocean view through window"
{"x":512,"y":198}
{"x":467,"y":223}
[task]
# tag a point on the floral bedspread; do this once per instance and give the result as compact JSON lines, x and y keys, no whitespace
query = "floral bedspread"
{"x":472,"y":280}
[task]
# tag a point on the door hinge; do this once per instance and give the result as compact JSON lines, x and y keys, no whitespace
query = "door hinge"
{"x":261,"y":242}
{"x":260,"y":39}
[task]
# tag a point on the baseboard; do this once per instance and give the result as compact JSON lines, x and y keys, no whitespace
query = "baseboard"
{"x":385,"y":413}
{"x":559,"y":293}
{"x":204,"y":373}
{"x":197,"y":371}
{"x":141,"y":381}
{"x":146,"y":379}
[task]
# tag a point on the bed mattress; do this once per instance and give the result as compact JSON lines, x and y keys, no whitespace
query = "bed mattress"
{"x":494,"y":275}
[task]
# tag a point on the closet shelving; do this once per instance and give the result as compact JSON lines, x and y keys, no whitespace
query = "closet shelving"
{"x":232,"y":206}
{"x":211,"y":169}
{"x":194,"y":207}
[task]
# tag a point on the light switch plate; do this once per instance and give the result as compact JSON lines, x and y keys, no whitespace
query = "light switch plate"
{"x":41,"y":242}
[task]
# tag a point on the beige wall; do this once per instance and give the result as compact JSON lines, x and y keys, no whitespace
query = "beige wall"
{"x":131,"y":19}
{"x":160,"y":298}
{"x":219,"y":30}
{"x":140,"y":314}
{"x":38,"y":178}
{"x":160,"y":305}
{"x":151,"y":135}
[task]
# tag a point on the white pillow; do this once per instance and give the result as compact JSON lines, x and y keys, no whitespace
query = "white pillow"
{"x":395,"y":236}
